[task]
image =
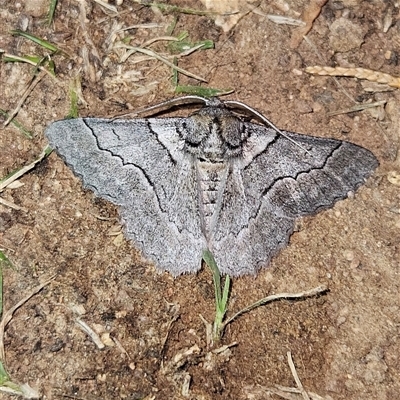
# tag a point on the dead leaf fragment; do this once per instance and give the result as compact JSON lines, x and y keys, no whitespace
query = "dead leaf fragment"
{"x":309,"y":14}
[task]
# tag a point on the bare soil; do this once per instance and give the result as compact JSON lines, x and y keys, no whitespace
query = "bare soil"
{"x":345,"y":344}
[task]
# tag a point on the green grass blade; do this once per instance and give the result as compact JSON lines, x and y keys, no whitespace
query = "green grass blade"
{"x":171,"y":27}
{"x":41,"y":42}
{"x":225,"y":293}
{"x":221,"y":299}
{"x":4,"y":377}
{"x":210,"y":261}
{"x":74,"y":98}
{"x":175,"y":77}
{"x":36,"y":61}
{"x":184,"y":45}
{"x":52,"y":10}
{"x":33,"y":60}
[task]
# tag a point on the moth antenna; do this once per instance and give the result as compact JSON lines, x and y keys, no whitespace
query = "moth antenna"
{"x":166,"y":105}
{"x":238,"y":104}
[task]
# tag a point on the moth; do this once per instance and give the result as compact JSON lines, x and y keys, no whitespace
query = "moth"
{"x":213,"y":180}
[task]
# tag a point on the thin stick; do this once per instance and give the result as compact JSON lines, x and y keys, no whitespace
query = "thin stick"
{"x":269,"y":299}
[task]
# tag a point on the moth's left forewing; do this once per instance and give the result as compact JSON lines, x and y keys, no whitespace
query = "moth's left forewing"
{"x":169,"y":133}
{"x":139,"y":165}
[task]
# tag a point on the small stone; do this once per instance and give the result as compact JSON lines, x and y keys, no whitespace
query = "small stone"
{"x":345,"y":35}
{"x":317,"y":107}
{"x":303,"y":107}
{"x":297,"y":72}
{"x":394,"y":178}
{"x":121,"y":314}
{"x":106,"y":339}
{"x":348,"y":255}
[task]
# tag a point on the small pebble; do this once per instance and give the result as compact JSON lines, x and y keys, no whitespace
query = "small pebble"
{"x":348,"y":255}
{"x":345,"y":35}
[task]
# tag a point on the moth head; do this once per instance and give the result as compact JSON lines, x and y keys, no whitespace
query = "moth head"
{"x":214,"y":134}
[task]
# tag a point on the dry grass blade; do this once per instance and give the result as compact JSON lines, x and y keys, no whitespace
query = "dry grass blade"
{"x":107,"y":6}
{"x":7,"y":316}
{"x":173,"y":9}
{"x":360,"y":73}
{"x":91,"y":333}
{"x":284,"y":392}
{"x":296,"y":377}
{"x":358,"y":107}
{"x":23,"y":170}
{"x":9,"y":204}
{"x":150,"y":25}
{"x":155,"y":55}
{"x":90,"y":54}
{"x":174,"y":318}
{"x":36,"y":79}
{"x":279,"y":19}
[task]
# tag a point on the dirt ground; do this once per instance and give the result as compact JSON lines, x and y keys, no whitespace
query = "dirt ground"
{"x":345,"y":344}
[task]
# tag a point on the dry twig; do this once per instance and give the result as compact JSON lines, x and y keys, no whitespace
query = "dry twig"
{"x":308,"y":293}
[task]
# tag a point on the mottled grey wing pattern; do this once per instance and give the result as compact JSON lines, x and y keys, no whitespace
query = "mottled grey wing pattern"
{"x":139,"y":165}
{"x":209,"y":181}
{"x":278,"y":183}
